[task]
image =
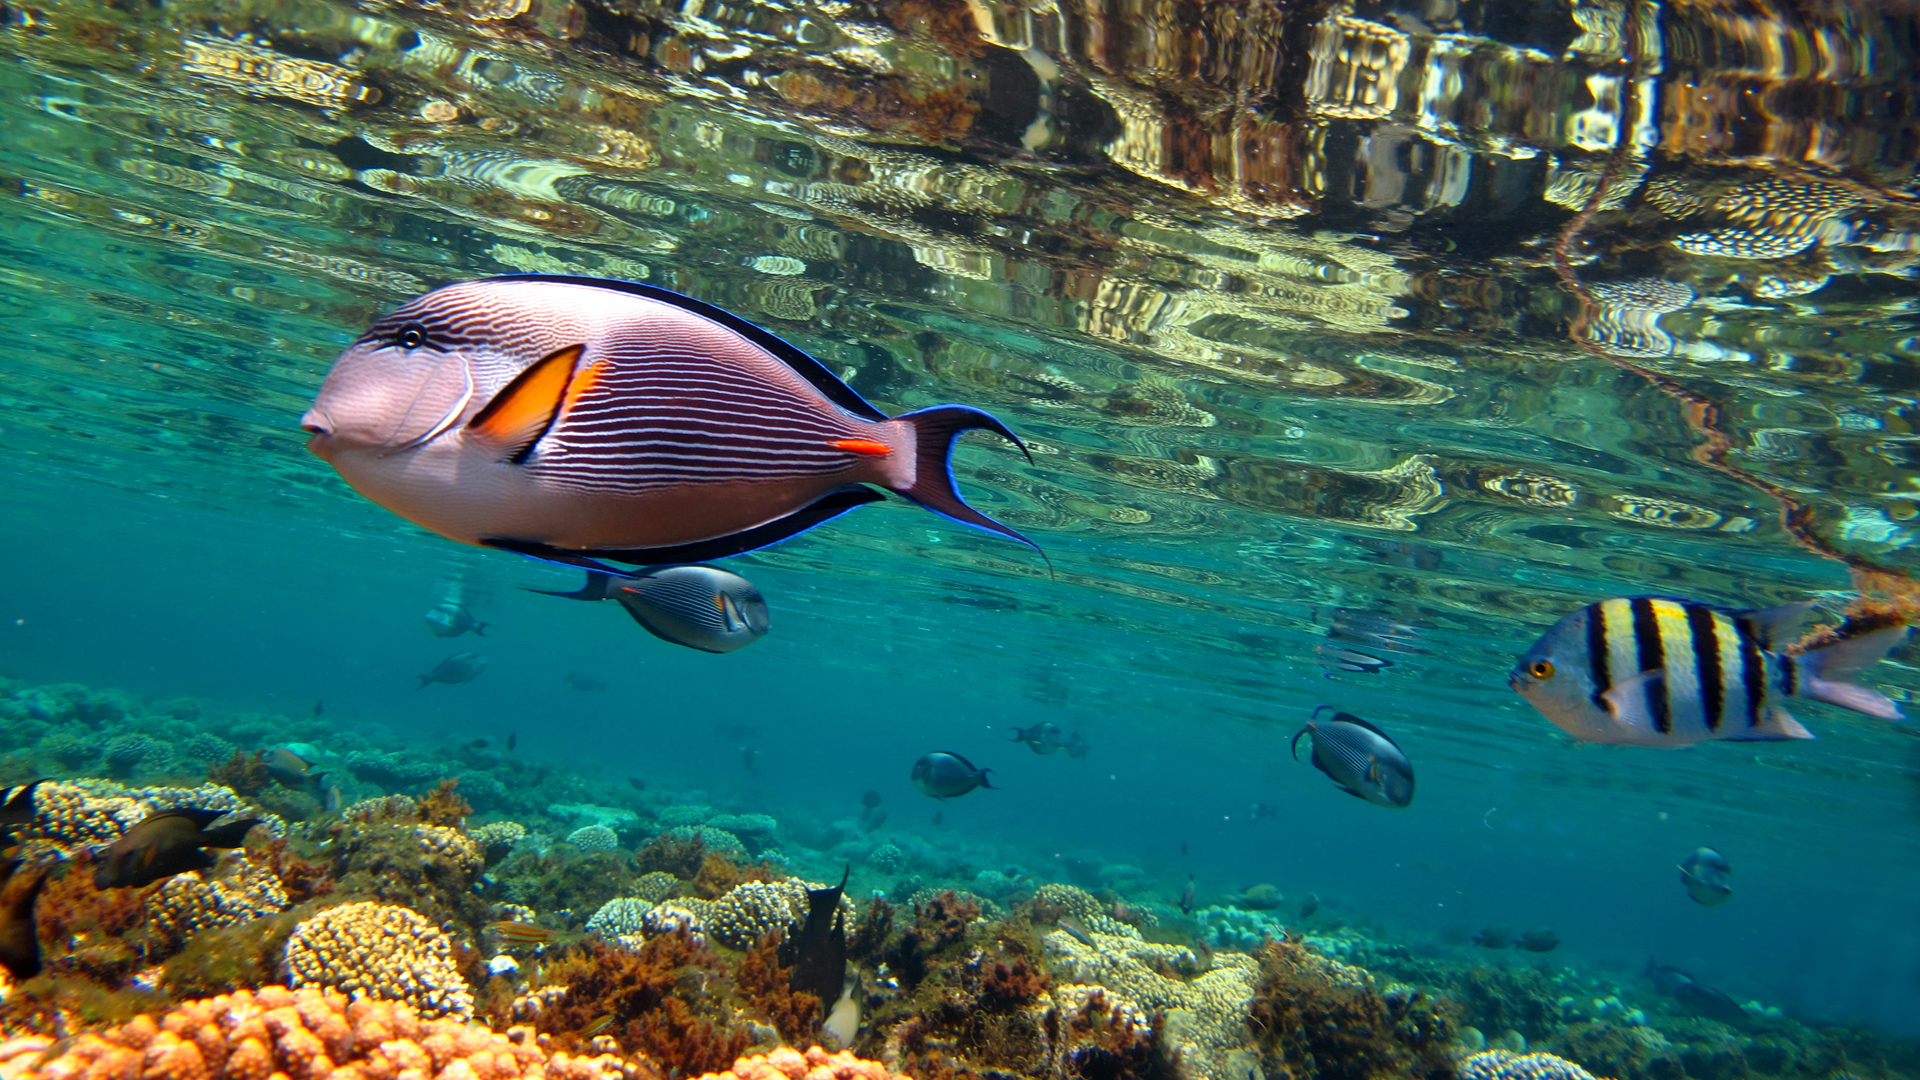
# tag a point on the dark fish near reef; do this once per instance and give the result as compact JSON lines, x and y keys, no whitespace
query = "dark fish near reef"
{"x":458,"y":668}
{"x":575,"y":419}
{"x":747,"y":755}
{"x":1041,"y":738}
{"x":1656,"y":671}
{"x":1696,"y":997}
{"x":1259,"y":898}
{"x":290,"y":770}
{"x":17,"y":807}
{"x":1186,"y":897}
{"x":520,"y":933}
{"x":1539,"y":940}
{"x":818,"y":952}
{"x":1704,"y":873}
{"x":583,"y":682}
{"x":701,"y":607}
{"x":318,"y":708}
{"x":870,"y":799}
{"x":513,"y":740}
{"x":1360,"y":758}
{"x":945,"y":775}
{"x":19,"y":932}
{"x":167,"y":843}
{"x":1076,"y":745}
{"x":451,"y":620}
{"x":1494,"y":937}
{"x":1309,"y":905}
{"x":636,"y":783}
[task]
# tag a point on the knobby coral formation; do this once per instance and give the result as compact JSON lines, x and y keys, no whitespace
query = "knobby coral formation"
{"x":380,"y":951}
{"x":787,"y":1063}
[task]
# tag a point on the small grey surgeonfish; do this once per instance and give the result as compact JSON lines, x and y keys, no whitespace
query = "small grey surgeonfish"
{"x":451,"y":619}
{"x":944,"y":775}
{"x":1705,"y":875}
{"x":1359,"y":757}
{"x":458,"y":668}
{"x":701,"y":607}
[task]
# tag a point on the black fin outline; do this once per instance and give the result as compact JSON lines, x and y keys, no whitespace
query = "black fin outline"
{"x":817,"y":512}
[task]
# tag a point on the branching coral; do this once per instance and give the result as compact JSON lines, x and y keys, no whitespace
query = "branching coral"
{"x":443,"y":806}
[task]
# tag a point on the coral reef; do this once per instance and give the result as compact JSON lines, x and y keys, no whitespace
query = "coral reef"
{"x":594,"y":838}
{"x":1314,"y":1015}
{"x":186,"y":904}
{"x":1506,"y":1065}
{"x":816,"y":1064}
{"x":379,"y":951}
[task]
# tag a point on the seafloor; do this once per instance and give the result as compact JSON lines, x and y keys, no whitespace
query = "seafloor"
{"x":463,"y":914}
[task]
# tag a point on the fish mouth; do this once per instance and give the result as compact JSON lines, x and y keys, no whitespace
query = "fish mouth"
{"x":319,"y":428}
{"x":1513,"y":681}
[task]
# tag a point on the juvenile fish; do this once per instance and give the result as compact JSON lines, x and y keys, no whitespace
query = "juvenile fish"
{"x":1360,"y":758}
{"x":576,"y":419}
{"x":458,"y":668}
{"x":944,"y":775}
{"x":1657,"y":671}
{"x":1704,"y":873}
{"x":449,"y":619}
{"x":701,"y":607}
{"x":167,"y":843}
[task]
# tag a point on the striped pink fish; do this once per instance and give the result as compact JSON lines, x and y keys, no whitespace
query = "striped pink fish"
{"x":576,"y":419}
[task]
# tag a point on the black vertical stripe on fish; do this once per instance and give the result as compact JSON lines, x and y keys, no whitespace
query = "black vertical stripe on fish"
{"x":1704,"y":626}
{"x":1753,"y":671}
{"x":1790,"y":671}
{"x":1597,"y":653}
{"x":1653,"y":657}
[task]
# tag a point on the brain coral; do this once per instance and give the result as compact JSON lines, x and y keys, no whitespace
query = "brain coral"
{"x":1507,"y":1065}
{"x":786,"y":1063}
{"x":379,"y":951}
{"x":189,"y":903}
{"x":303,"y":1033}
{"x":594,"y":838}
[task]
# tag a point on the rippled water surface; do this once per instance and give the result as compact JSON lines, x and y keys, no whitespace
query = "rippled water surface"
{"x":1355,"y":343}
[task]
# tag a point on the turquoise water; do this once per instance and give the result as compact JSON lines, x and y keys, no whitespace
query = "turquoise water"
{"x":1286,"y":345}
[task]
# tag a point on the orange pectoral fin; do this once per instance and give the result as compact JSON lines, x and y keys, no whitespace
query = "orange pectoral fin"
{"x":866,"y":447}
{"x":525,"y":409}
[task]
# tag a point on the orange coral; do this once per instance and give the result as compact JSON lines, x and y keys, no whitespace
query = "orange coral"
{"x":444,"y":806}
{"x":766,"y":985}
{"x":303,"y":1035}
{"x":787,"y":1063}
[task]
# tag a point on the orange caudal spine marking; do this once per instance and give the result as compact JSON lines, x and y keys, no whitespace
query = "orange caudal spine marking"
{"x":863,"y":446}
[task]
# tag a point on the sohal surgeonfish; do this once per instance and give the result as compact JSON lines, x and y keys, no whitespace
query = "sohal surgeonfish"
{"x":577,"y":419}
{"x":947,"y":776}
{"x":458,"y":668}
{"x":451,"y":620}
{"x":1360,"y":758}
{"x":701,"y":607}
{"x":1655,"y":671}
{"x":1704,"y":873}
{"x":167,"y":843}
{"x":290,"y":770}
{"x":1696,"y":997}
{"x":19,"y":930}
{"x":1041,"y":738}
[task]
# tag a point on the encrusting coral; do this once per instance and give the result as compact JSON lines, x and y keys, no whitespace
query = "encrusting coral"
{"x":305,"y":1034}
{"x":379,"y":951}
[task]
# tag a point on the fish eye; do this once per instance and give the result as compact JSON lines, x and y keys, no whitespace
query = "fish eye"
{"x":411,"y":336}
{"x":1541,"y":669}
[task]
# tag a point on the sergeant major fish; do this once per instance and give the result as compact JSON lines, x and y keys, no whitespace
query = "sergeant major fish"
{"x":1360,"y":758}
{"x":1656,"y":671}
{"x":576,"y":419}
{"x":701,"y":607}
{"x":1704,"y":873}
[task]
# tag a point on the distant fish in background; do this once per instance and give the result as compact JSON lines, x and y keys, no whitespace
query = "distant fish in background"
{"x":584,"y":683}
{"x":871,"y":816}
{"x":1309,"y":904}
{"x":1658,"y":671}
{"x":1494,"y":937}
{"x":747,"y":756}
{"x":318,"y":708}
{"x":1261,"y":810}
{"x":1259,"y":898}
{"x":870,"y":799}
{"x":292,"y":771}
{"x":333,"y":803}
{"x":167,"y":843}
{"x":636,"y":783}
{"x":1360,"y":758}
{"x":1696,"y":997}
{"x":944,"y":775}
{"x":1186,"y":897}
{"x":1537,"y":940}
{"x":1704,"y":873}
{"x":19,"y":928}
{"x":1077,"y":745}
{"x":1341,"y":658}
{"x":458,"y":668}
{"x":449,"y":619}
{"x":513,"y":740}
{"x":939,"y":817}
{"x":700,"y":607}
{"x":1041,"y":738}
{"x":575,"y":419}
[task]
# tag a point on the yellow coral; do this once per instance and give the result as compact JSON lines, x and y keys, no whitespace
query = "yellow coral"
{"x":189,"y":903}
{"x":379,"y":951}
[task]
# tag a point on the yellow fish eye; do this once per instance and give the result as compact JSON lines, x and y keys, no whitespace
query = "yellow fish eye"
{"x":1541,"y":669}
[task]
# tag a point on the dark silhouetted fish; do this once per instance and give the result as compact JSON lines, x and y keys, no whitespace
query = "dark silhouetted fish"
{"x":747,"y":756}
{"x":17,"y":807}
{"x":1694,"y":996}
{"x":1540,"y":939}
{"x":1077,"y":745}
{"x":701,"y":607}
{"x":19,"y":931}
{"x":1309,"y":905}
{"x":636,"y":783}
{"x":946,"y":775}
{"x":1494,"y":937}
{"x":577,"y":419}
{"x":167,"y":843}
{"x":290,"y":770}
{"x":1360,"y":758}
{"x":1041,"y":738}
{"x":870,"y":799}
{"x":318,"y":708}
{"x":1704,"y":873}
{"x":1186,"y":897}
{"x":450,"y":619}
{"x":819,"y":951}
{"x":1262,"y":810}
{"x":513,"y":740}
{"x":577,"y":680}
{"x":1260,"y":898}
{"x":458,"y":668}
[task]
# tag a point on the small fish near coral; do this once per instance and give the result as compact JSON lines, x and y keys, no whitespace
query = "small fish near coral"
{"x":167,"y":843}
{"x":292,"y":771}
{"x":1539,"y":939}
{"x":510,"y":932}
{"x":700,"y":607}
{"x":1041,"y":738}
{"x":458,"y":668}
{"x":1261,"y":897}
{"x":1658,"y":671}
{"x":944,"y":775}
{"x":1704,"y":873}
{"x":450,"y":619}
{"x":1693,"y":995}
{"x":1359,"y":758}
{"x":576,"y":419}
{"x":1186,"y":897}
{"x":19,"y":929}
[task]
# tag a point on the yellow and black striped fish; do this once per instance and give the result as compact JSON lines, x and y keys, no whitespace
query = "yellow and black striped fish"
{"x":1658,"y":671}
